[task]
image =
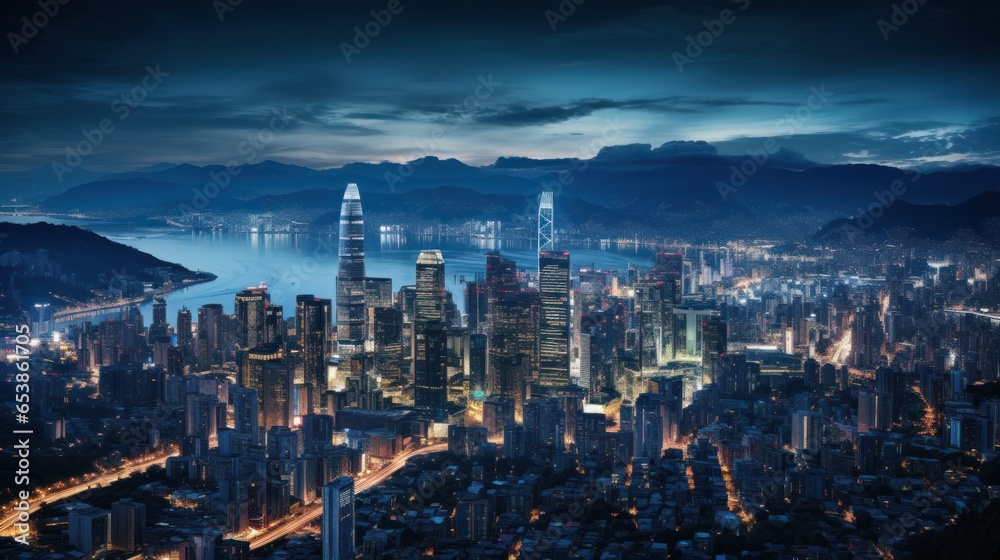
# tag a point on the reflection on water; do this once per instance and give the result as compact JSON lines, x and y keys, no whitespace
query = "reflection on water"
{"x":295,"y":263}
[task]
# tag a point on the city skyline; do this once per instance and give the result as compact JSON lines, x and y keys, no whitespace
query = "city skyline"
{"x":519,"y":280}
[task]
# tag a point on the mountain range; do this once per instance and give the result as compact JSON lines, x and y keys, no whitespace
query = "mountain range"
{"x":684,"y":184}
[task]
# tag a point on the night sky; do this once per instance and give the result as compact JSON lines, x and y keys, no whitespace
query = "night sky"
{"x":919,"y":92}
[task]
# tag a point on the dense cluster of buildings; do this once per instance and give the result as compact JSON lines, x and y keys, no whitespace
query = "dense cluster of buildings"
{"x":691,"y":407}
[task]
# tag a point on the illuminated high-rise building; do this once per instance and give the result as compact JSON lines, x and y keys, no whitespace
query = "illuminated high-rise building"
{"x":312,"y":326}
{"x":501,"y":280}
{"x":351,"y":274}
{"x":554,"y":317}
{"x":250,"y":317}
{"x":254,"y":375}
{"x":430,"y":298}
{"x":546,"y":233}
{"x":714,"y":340}
{"x":430,"y":371}
{"x":212,"y":334}
{"x":158,"y":328}
{"x":338,"y":519}
{"x":513,"y":346}
{"x":185,"y":336}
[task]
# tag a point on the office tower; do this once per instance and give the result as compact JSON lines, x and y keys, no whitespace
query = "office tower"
{"x":893,"y":383}
{"x":430,"y":297}
{"x":201,"y":419}
{"x":41,"y":319}
{"x":585,"y":366}
{"x":211,"y":335}
{"x":866,"y":343}
{"x":669,"y":269}
{"x":252,"y":369}
{"x":158,"y":328}
{"x":652,"y":425}
{"x":351,"y":273}
{"x":128,"y":521}
{"x":430,"y":374}
{"x":714,"y":340}
{"x":501,"y":281}
{"x":250,"y":316}
{"x":808,"y":431}
{"x":513,"y":348}
{"x":687,"y":335}
{"x":736,"y":377}
{"x":546,"y":237}
{"x":89,"y":528}
{"x":185,"y":336}
{"x":874,"y":411}
{"x":648,"y":313}
{"x":246,"y":412}
{"x":338,"y":519}
{"x":810,"y":373}
{"x":515,"y":441}
{"x":475,"y":306}
{"x":477,"y":366}
{"x":553,"y":328}
{"x":387,"y":332}
{"x":378,"y":293}
{"x":312,"y":326}
{"x":274,"y":325}
{"x":407,"y":300}
{"x":277,"y":385}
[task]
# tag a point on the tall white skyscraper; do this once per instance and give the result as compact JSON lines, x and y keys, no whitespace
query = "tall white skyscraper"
{"x":351,"y":273}
{"x":546,"y":235}
{"x":338,"y":519}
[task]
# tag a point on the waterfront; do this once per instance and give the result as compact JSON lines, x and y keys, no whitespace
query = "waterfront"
{"x":292,"y":264}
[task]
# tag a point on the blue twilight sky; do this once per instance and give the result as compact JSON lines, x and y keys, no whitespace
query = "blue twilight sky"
{"x":918,"y":89}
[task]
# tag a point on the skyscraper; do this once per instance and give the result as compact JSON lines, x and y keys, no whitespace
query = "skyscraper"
{"x":312,"y":326}
{"x":501,"y":280}
{"x":546,"y":237}
{"x":254,"y":375}
{"x":553,"y":330}
{"x":430,"y":371}
{"x":714,"y":341}
{"x":211,"y":335}
{"x":250,"y":317}
{"x":128,"y":520}
{"x":430,"y":300}
{"x":338,"y":519}
{"x":185,"y":338}
{"x":158,"y":328}
{"x":351,"y":273}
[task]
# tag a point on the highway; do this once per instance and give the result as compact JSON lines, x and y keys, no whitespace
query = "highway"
{"x":103,"y":480}
{"x":360,"y":485}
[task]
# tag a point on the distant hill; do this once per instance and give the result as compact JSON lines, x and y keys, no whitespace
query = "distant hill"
{"x":47,"y":263}
{"x":684,"y":186}
{"x":979,"y":215}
